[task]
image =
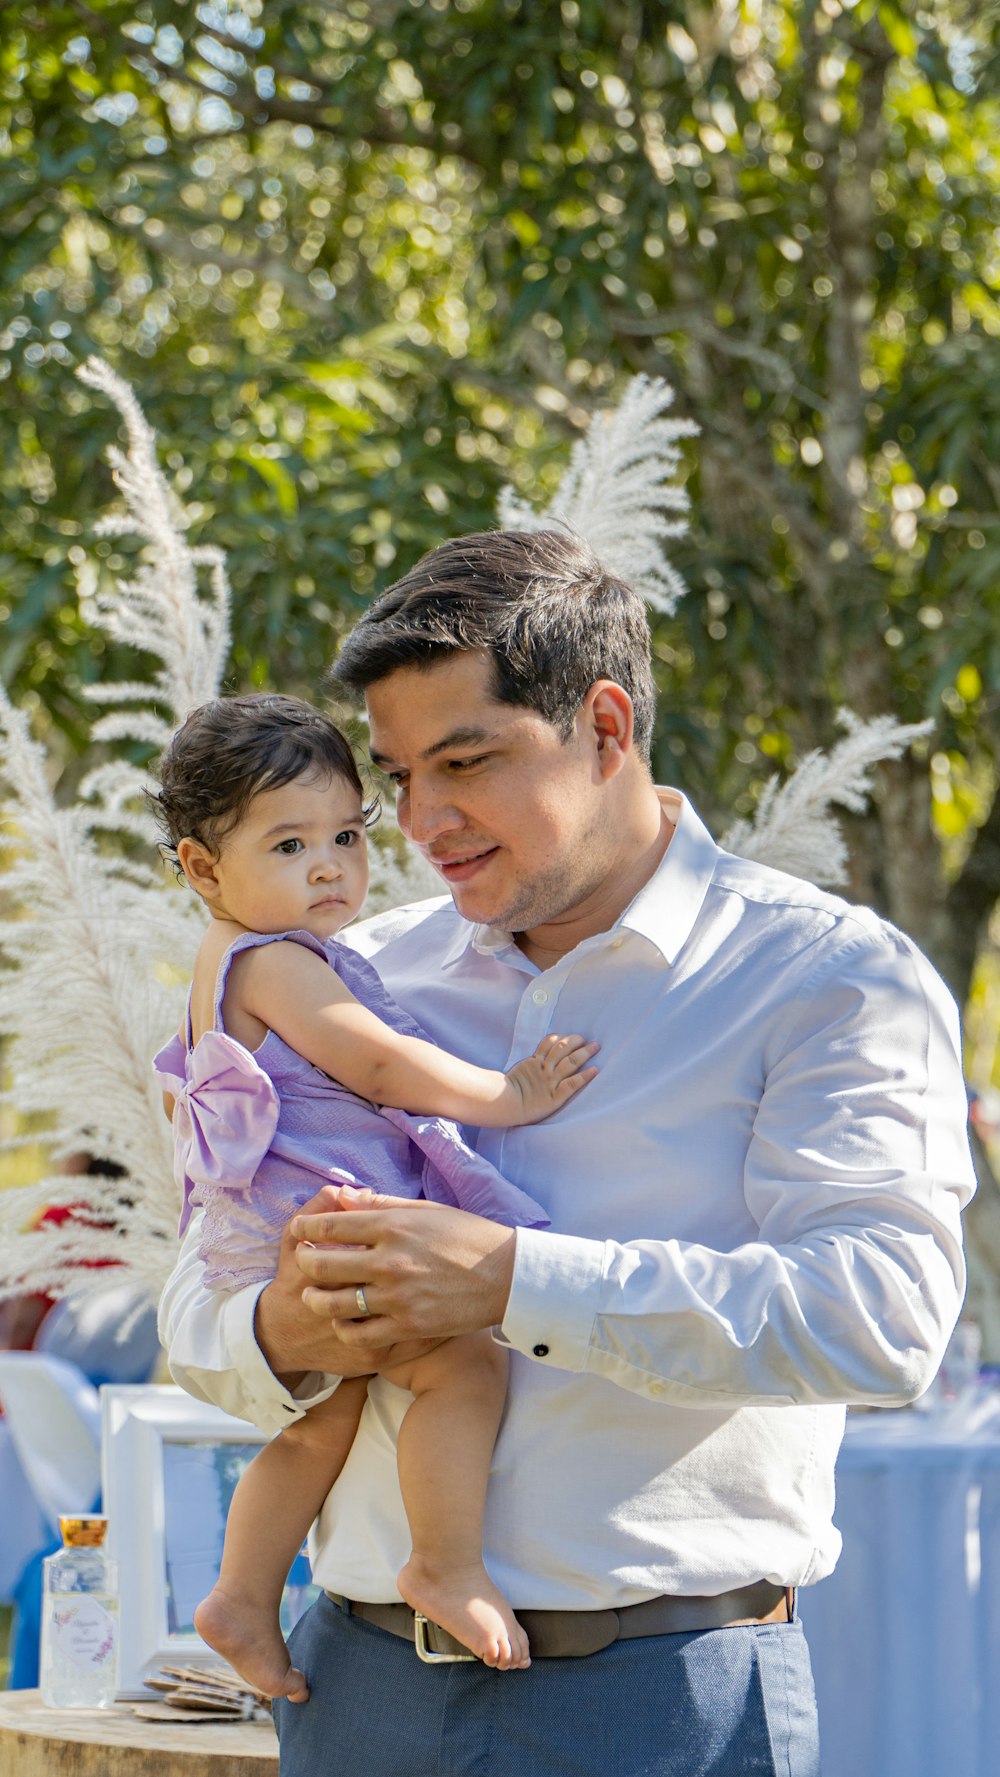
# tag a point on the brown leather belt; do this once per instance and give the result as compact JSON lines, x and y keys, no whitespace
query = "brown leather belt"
{"x":569,"y":1634}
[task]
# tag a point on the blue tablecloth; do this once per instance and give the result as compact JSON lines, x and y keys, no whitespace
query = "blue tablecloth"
{"x":905,"y":1634}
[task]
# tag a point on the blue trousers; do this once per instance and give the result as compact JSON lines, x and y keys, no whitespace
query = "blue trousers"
{"x":724,"y":1703}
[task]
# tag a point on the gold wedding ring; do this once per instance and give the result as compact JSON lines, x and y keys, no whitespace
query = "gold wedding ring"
{"x":359,"y":1297}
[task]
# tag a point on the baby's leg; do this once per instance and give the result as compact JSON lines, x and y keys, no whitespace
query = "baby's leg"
{"x":445,"y":1445}
{"x":274,"y":1504}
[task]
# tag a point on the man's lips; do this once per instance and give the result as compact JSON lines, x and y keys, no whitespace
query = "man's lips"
{"x":464,"y":865}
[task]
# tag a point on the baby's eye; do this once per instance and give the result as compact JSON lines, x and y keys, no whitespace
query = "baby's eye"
{"x":348,"y":837}
{"x":288,"y":847}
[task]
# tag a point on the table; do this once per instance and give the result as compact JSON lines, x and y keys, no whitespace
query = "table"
{"x":905,"y":1634}
{"x":40,"y":1742}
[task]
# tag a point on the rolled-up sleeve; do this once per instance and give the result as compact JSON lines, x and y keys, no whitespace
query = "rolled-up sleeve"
{"x":856,"y":1172}
{"x":212,"y":1351}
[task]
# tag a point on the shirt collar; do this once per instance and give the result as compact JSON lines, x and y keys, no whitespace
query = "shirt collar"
{"x":667,"y":906}
{"x":664,"y":911}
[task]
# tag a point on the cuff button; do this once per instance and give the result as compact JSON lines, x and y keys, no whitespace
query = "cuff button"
{"x":540,"y":1350}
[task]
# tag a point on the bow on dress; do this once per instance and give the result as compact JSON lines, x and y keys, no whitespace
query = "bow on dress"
{"x":225,"y":1113}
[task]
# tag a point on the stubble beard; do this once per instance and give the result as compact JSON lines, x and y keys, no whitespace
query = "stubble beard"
{"x":547,"y":898}
{"x":555,"y":890}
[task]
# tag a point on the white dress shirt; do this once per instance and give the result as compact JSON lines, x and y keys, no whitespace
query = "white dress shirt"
{"x":755,"y":1219}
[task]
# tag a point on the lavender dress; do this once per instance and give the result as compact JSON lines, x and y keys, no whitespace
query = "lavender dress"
{"x":256,"y":1135}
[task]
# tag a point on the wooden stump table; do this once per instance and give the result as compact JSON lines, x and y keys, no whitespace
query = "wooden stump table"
{"x":40,"y":1742}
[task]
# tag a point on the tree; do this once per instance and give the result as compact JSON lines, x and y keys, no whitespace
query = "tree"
{"x":366,"y":263}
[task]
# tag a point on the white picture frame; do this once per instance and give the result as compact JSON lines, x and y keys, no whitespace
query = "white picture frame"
{"x":164,"y":1456}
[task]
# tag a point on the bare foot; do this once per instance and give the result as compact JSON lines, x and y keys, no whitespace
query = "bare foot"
{"x":240,"y":1631}
{"x":465,"y":1601}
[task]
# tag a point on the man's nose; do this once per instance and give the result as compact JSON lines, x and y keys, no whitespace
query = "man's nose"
{"x":424,"y":814}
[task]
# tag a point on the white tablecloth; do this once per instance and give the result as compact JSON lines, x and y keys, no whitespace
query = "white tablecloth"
{"x":905,"y":1634}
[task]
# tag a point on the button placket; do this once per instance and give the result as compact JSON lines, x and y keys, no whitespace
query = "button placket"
{"x":534,"y":1017}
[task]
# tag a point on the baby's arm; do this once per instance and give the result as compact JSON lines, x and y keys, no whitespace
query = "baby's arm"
{"x":295,"y":993}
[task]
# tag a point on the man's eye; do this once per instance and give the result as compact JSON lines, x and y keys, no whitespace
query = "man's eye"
{"x":288,"y":847}
{"x":466,"y":764}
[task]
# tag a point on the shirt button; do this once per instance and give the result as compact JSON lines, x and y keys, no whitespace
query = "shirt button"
{"x":617,"y":943}
{"x":540,"y":996}
{"x":540,"y":1350}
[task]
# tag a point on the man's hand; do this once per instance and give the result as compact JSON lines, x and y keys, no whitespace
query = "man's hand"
{"x":292,"y":1339}
{"x":427,"y":1271}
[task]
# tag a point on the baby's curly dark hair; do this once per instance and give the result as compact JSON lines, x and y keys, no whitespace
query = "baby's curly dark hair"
{"x":230,"y":750}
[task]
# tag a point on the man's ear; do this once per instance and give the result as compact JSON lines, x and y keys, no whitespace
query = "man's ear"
{"x":607,"y":710}
{"x":199,"y":866}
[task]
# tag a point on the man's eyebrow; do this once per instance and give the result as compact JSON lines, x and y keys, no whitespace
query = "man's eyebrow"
{"x":456,"y":737}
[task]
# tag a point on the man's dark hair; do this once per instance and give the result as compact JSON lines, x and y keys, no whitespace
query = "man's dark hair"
{"x":231,"y":749}
{"x":538,"y":603}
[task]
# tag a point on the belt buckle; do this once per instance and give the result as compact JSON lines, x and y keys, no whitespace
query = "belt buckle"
{"x":424,"y":1650}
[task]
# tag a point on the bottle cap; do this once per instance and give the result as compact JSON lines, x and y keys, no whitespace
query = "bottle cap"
{"x":85,"y":1530}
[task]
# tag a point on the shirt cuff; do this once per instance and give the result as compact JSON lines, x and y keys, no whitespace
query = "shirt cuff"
{"x":270,"y":1404}
{"x":555,"y":1297}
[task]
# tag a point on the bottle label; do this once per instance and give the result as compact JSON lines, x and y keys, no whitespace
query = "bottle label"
{"x":85,"y":1632}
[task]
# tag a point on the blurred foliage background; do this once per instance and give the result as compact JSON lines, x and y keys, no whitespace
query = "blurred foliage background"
{"x":364,"y":263}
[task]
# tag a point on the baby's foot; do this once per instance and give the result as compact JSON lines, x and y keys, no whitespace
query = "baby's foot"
{"x":465,"y":1601}
{"x":240,"y":1631}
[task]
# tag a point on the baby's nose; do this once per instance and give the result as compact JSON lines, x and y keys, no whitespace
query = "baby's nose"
{"x":327,"y":866}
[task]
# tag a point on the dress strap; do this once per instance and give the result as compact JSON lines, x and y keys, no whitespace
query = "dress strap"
{"x":252,"y":941}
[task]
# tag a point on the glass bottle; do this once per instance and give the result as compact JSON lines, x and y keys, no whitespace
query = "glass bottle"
{"x":79,"y":1652}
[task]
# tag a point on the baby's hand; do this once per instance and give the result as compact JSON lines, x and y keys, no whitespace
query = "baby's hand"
{"x":549,"y":1078}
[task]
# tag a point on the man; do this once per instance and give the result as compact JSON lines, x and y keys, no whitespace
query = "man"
{"x":754,"y":1216}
